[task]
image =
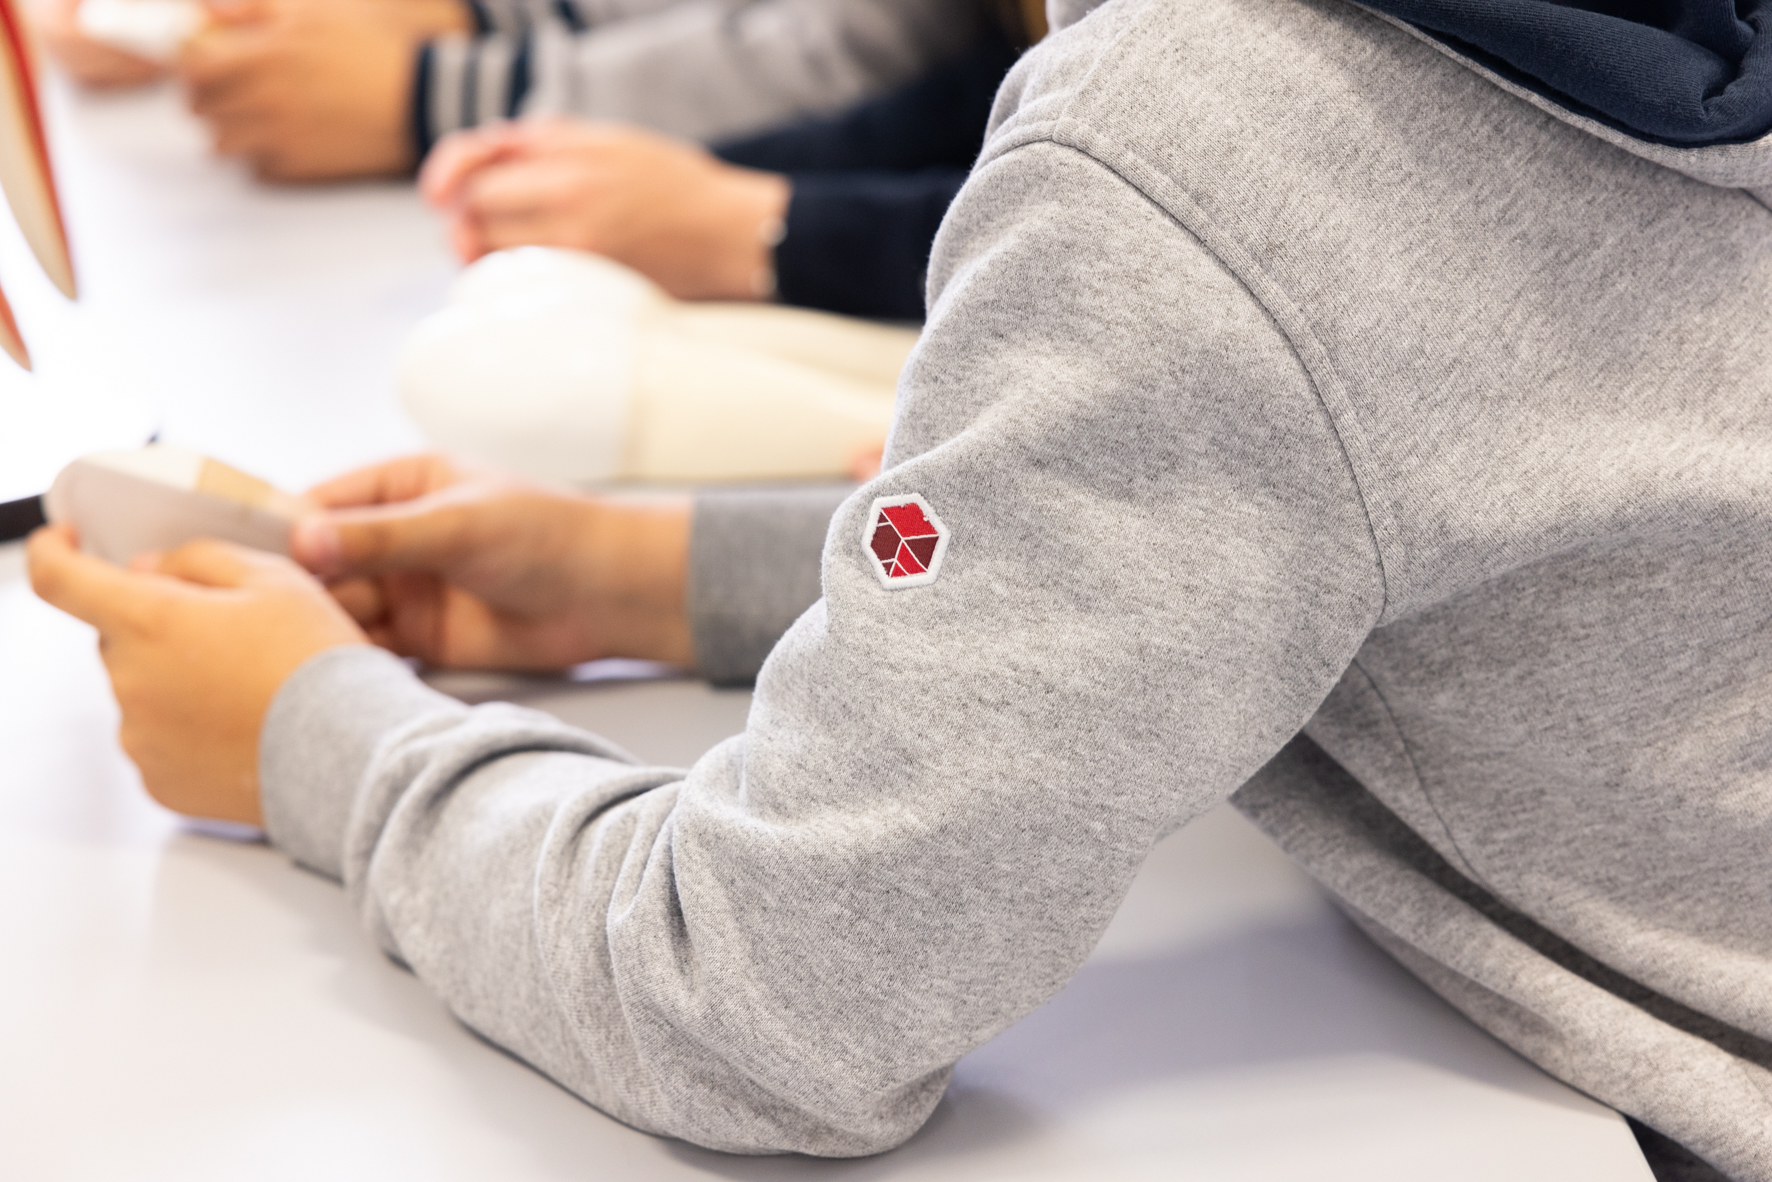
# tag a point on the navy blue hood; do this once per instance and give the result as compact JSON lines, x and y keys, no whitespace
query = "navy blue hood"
{"x":1688,"y":73}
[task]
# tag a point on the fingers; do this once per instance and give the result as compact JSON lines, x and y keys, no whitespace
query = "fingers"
{"x":231,"y":77}
{"x":96,"y":64}
{"x":465,"y":240}
{"x":242,"y":135}
{"x":236,"y":97}
{"x":402,"y":479}
{"x":85,"y":587}
{"x":461,"y":154}
{"x":530,"y":186}
{"x":362,"y":600}
{"x":212,"y":563}
{"x":222,"y":56}
{"x":864,"y":463}
{"x":544,"y":202}
{"x":505,"y":231}
{"x":237,"y":12}
{"x":458,"y":156}
{"x":315,"y":543}
{"x":414,"y":535}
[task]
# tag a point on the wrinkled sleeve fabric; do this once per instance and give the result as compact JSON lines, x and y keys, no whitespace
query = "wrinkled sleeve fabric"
{"x":702,"y":69}
{"x":1156,"y":569}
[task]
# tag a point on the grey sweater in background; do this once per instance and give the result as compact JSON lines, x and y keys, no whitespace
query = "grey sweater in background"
{"x":1283,"y":374}
{"x":702,"y":69}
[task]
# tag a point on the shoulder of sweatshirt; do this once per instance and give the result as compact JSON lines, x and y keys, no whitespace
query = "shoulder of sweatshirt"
{"x":1491,"y":302}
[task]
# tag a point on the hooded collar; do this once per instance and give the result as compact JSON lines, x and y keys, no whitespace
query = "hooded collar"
{"x":1689,"y":87}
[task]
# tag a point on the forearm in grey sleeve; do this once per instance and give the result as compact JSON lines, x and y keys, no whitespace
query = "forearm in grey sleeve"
{"x":753,"y":569}
{"x":1156,"y":566}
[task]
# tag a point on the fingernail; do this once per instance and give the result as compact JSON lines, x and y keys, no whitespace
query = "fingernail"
{"x":314,"y":543}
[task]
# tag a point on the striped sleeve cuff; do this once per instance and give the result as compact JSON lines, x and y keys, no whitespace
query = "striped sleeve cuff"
{"x":467,"y":81}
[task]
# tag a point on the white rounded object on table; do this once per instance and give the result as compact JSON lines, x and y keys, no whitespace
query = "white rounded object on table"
{"x":567,"y":366}
{"x":151,"y":29}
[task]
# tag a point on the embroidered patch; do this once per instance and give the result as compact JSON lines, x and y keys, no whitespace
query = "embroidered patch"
{"x":905,"y":541}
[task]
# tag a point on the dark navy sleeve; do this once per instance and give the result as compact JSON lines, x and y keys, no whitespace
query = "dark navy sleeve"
{"x":858,"y":242}
{"x":938,"y":119}
{"x":870,"y":186}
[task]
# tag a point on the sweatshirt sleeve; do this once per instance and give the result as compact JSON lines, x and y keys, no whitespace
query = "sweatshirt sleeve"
{"x":753,"y":570}
{"x":701,"y":69}
{"x":1156,"y":566}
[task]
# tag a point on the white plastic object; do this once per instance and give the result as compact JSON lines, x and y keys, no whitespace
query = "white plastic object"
{"x":159,"y":497}
{"x":151,"y":29}
{"x":567,"y":366}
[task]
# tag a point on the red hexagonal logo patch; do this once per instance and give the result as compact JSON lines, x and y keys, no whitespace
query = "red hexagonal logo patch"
{"x":905,"y":541}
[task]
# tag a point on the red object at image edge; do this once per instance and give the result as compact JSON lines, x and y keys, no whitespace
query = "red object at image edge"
{"x":20,"y":108}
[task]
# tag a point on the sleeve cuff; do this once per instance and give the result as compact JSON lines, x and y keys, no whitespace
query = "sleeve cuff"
{"x":858,"y":243}
{"x":462,"y":82}
{"x":754,"y":567}
{"x":423,"y":135}
{"x":319,"y":735}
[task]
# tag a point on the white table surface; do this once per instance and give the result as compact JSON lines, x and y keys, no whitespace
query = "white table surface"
{"x":174,"y":1006}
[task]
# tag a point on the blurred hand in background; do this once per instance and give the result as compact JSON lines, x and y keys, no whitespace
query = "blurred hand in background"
{"x":310,"y":90}
{"x":91,"y":62}
{"x":698,"y":227}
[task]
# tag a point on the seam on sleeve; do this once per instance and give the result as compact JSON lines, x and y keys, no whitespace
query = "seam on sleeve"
{"x":1288,"y":319}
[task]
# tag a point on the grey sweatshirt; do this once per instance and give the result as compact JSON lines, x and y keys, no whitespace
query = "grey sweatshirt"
{"x":703,"y":69}
{"x":1300,"y":410}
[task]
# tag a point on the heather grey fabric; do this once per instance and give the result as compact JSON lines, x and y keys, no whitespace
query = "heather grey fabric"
{"x":1281,"y":374}
{"x":753,"y":569}
{"x":704,"y":69}
{"x":1670,"y":1161}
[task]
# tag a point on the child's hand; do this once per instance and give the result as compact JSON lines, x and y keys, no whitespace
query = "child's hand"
{"x":197,"y":643}
{"x":310,"y":90}
{"x":699,"y":228}
{"x":91,"y":62}
{"x":471,"y":569}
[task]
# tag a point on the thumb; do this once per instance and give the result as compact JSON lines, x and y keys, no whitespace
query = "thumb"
{"x":411,"y":535}
{"x":212,"y":563}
